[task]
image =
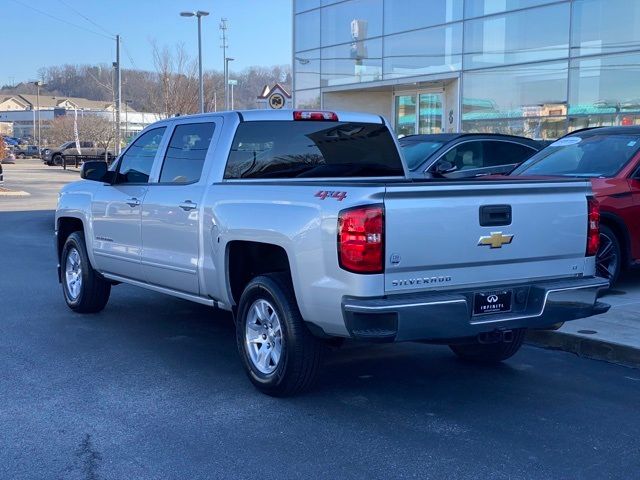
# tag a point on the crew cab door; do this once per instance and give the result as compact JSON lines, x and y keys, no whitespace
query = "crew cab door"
{"x":116,"y":208}
{"x":171,"y":213}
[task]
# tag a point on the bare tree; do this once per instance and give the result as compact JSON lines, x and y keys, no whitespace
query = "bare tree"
{"x":3,"y":149}
{"x":91,"y":128}
{"x":177,"y":81}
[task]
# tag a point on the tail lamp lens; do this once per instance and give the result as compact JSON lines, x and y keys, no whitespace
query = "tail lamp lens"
{"x":361,"y":239}
{"x":593,"y":231}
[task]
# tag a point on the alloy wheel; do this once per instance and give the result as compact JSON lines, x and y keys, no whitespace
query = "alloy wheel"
{"x":263,"y":336}
{"x":607,"y":258}
{"x":73,"y":274}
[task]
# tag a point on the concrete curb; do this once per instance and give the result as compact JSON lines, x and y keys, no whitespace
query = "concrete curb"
{"x":585,"y":347}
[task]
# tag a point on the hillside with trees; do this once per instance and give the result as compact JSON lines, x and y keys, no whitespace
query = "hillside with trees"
{"x":171,"y":89}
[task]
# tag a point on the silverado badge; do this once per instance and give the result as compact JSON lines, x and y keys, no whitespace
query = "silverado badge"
{"x":495,"y":240}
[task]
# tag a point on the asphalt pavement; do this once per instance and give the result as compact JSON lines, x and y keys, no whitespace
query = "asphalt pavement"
{"x":152,"y":388}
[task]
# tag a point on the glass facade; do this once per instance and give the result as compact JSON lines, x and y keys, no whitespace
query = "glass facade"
{"x":538,"y":68}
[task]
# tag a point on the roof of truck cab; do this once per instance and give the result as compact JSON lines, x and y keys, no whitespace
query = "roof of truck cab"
{"x":284,"y":115}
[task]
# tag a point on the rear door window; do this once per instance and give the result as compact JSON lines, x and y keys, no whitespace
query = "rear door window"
{"x":312,"y":149}
{"x":186,"y":153}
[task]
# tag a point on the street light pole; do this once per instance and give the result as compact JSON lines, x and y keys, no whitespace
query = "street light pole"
{"x":199,"y":14}
{"x":38,"y":84}
{"x":227,"y":102}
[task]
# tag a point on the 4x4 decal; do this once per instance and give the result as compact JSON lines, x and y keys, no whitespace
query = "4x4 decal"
{"x":322,"y":194}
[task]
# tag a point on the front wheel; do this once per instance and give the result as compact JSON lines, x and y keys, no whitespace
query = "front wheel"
{"x":609,"y":256}
{"x":490,"y":352}
{"x":85,"y":291}
{"x":278,"y":352}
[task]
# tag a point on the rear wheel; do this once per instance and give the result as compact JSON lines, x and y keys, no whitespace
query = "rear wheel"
{"x":490,"y":352}
{"x":278,"y":352}
{"x":85,"y":291}
{"x":609,"y":256}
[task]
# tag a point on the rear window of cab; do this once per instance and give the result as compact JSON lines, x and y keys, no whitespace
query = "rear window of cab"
{"x":312,"y":149}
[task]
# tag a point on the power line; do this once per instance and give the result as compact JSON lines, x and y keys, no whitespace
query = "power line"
{"x":47,"y":14}
{"x":86,"y":18}
{"x":128,"y":54}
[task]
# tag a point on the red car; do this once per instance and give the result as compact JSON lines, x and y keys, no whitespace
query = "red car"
{"x":610,"y":157}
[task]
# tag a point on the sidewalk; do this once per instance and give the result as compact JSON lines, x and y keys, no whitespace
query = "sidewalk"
{"x":613,"y":337}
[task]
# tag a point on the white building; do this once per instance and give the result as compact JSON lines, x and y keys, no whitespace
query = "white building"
{"x":25,"y":110}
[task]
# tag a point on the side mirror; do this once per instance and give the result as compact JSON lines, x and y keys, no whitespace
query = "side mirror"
{"x":95,"y":171}
{"x":445,"y":166}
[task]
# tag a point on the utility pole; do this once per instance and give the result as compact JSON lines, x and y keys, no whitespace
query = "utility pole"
{"x":118,"y":94}
{"x":223,"y":37}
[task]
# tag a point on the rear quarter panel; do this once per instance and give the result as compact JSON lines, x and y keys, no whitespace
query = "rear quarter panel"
{"x":291,"y":216}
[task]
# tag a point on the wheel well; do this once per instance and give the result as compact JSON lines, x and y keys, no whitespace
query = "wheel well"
{"x":246,"y":260}
{"x":620,"y":231}
{"x":66,"y":226}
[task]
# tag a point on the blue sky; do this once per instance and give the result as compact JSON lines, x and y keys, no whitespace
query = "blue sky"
{"x":259,"y":32}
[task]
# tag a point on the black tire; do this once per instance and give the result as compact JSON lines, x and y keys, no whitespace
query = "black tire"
{"x":301,"y":352}
{"x":94,"y":290}
{"x":56,"y":160}
{"x":490,"y":352}
{"x":609,"y":256}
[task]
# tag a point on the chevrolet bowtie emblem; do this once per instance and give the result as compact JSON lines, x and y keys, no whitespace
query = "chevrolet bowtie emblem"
{"x":495,"y":240}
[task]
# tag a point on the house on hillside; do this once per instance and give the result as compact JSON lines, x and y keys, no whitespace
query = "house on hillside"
{"x":24,"y":110}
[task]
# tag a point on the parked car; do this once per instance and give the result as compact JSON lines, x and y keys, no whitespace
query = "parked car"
{"x":465,"y":155}
{"x":610,"y":158}
{"x":24,"y":151}
{"x":1,"y":174}
{"x":306,"y":226}
{"x":68,"y":151}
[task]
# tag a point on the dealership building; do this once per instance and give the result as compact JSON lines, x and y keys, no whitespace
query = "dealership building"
{"x":538,"y":68}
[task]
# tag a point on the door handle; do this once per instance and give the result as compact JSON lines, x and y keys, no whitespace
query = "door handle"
{"x":133,"y":202}
{"x":188,"y":205}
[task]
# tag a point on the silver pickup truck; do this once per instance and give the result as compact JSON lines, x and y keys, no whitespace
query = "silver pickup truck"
{"x":305,"y":226}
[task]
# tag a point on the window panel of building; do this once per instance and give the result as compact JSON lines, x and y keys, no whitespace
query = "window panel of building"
{"x":307,"y":98}
{"x":525,"y":36}
{"x":421,"y":52}
{"x":307,"y":30}
{"x":355,"y":20}
{"x":537,"y":90}
{"x":478,"y":8}
{"x":605,"y":86}
{"x":540,"y":128}
{"x":307,"y":69}
{"x":403,"y":15}
{"x":351,"y":63}
{"x":304,"y":5}
{"x":605,"y":26}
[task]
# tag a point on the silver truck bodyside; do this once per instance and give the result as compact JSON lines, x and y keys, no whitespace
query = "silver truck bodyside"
{"x":288,"y":214}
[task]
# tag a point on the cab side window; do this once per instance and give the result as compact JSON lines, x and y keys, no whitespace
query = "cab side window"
{"x":186,"y":153}
{"x":135,"y":164}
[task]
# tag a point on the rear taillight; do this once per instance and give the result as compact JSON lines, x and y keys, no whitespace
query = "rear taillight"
{"x":361,"y":239}
{"x":314,"y":115}
{"x":593,"y":229}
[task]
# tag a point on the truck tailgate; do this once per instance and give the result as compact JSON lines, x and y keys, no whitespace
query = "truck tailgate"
{"x":435,"y":238}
